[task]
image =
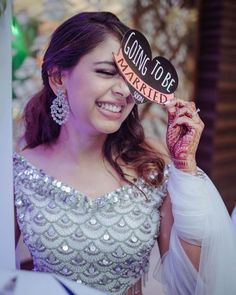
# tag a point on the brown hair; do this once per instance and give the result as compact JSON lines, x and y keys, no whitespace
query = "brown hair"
{"x":71,"y":40}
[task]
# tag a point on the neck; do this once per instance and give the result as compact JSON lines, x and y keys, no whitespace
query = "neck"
{"x":81,"y":147}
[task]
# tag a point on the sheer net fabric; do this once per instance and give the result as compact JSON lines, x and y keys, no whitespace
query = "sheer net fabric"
{"x":200,"y":218}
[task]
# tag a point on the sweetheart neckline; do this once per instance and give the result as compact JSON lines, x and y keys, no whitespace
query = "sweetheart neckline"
{"x":123,"y":187}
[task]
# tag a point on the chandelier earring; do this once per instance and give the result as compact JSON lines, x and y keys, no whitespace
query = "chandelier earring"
{"x":60,"y":108}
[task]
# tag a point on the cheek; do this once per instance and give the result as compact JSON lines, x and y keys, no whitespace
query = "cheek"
{"x":131,"y":104}
{"x":130,"y":100}
{"x":77,"y":93}
{"x":129,"y":109}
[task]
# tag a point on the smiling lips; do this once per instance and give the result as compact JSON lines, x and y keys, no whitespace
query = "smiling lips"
{"x":111,"y":107}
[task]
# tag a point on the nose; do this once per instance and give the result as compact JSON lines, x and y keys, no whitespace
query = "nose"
{"x":120,"y":87}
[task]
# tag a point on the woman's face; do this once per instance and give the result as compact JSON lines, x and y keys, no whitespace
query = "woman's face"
{"x":98,"y":96}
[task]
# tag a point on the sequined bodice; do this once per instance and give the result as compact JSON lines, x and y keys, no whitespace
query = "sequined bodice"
{"x":104,"y":243}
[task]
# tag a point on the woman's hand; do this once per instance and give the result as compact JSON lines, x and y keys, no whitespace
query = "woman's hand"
{"x":183,"y":133}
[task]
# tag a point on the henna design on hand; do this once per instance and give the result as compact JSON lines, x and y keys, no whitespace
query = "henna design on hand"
{"x":183,"y":134}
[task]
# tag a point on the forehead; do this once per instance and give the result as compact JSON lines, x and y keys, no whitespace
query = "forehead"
{"x":103,"y":51}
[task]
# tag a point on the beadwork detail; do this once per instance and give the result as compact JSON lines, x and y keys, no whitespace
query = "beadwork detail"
{"x":104,"y":243}
{"x":60,"y":108}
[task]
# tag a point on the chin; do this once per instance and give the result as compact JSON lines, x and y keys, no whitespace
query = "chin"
{"x":109,"y":129}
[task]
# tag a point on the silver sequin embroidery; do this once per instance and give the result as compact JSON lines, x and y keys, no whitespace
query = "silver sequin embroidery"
{"x":104,"y":243}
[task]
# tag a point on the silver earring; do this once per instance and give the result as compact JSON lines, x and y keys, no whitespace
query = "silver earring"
{"x":60,"y":108}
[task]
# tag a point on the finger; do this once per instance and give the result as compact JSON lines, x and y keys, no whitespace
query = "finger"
{"x":184,"y":111}
{"x":196,"y":113}
{"x":186,"y":104}
{"x":186,"y":121}
{"x":171,"y":105}
{"x":192,"y":105}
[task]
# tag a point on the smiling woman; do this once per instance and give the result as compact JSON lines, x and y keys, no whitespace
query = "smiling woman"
{"x":97,"y":142}
{"x":93,"y":194}
{"x":106,"y":105}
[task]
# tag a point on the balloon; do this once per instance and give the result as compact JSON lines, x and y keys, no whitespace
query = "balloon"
{"x":19,"y":46}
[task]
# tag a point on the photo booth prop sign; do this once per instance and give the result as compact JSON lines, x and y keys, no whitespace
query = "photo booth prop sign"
{"x":148,"y":79}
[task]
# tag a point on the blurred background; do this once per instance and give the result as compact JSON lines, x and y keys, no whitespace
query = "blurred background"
{"x":197,"y":36}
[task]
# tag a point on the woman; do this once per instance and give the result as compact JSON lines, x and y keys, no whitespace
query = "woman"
{"x":90,"y":189}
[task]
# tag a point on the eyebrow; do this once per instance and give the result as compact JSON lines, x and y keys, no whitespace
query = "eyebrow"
{"x":111,"y":63}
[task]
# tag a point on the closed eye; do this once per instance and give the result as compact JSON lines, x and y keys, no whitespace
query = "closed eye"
{"x":106,"y":72}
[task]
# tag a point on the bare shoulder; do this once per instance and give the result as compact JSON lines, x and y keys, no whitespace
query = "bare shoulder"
{"x":36,"y":156}
{"x":31,"y":153}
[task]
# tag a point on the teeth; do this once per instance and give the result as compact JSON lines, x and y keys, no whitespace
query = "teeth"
{"x":109,"y":107}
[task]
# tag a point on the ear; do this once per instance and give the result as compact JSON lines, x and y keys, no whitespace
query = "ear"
{"x":55,"y":79}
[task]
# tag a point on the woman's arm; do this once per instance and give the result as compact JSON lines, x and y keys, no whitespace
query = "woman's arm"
{"x":198,"y":250}
{"x":193,"y":251}
{"x":165,"y":226}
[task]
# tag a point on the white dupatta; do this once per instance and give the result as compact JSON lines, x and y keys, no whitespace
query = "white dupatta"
{"x":200,"y":218}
